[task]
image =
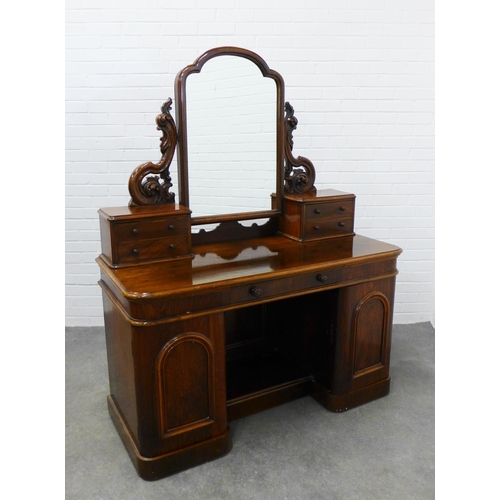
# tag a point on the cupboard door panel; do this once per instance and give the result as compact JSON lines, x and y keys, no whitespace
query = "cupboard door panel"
{"x":363,"y":335}
{"x":185,"y":383}
{"x":180,"y":383}
{"x":369,"y":332}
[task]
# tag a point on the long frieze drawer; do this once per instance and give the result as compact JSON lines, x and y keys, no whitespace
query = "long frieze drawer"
{"x":328,"y":227}
{"x":331,"y":209}
{"x":153,"y":249}
{"x":257,"y":291}
{"x":147,"y":229}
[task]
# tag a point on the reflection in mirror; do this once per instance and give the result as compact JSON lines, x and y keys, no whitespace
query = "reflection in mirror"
{"x":231,"y":137}
{"x":263,"y":260}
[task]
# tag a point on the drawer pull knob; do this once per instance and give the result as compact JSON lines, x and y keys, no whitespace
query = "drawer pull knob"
{"x":317,"y":211}
{"x":322,"y":278}
{"x":316,"y":228}
{"x":341,"y":224}
{"x":171,"y":227}
{"x":135,"y":251}
{"x":342,"y":209}
{"x":256,"y":292}
{"x":171,"y":246}
{"x":135,"y":231}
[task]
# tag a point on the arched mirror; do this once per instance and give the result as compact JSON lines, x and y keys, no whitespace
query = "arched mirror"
{"x":231,"y":138}
{"x":230,"y":128}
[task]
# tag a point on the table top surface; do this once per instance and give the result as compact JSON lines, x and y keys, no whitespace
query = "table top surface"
{"x":224,"y":264}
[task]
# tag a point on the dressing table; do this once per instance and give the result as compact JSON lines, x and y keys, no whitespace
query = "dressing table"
{"x":213,"y":313}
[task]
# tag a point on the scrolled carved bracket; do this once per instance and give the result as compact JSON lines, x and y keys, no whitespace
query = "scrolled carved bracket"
{"x":299,"y":172}
{"x":150,"y":182}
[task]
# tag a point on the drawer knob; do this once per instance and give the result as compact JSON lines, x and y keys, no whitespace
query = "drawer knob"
{"x":135,"y":251}
{"x":341,"y":224}
{"x":316,"y":228}
{"x":322,"y":278}
{"x":171,"y":227}
{"x":171,"y":246}
{"x":342,"y":209}
{"x":135,"y":231}
{"x":317,"y":211}
{"x":256,"y":292}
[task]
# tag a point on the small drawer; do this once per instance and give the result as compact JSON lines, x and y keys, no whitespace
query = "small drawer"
{"x":321,"y":228}
{"x":330,"y":209}
{"x":152,"y":249}
{"x":147,"y":229}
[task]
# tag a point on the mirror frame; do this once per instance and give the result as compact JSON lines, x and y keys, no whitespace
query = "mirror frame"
{"x":182,"y":145}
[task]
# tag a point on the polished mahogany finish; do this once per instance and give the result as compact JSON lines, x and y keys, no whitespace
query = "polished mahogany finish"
{"x":155,"y":189}
{"x":300,"y":173}
{"x":318,"y":214}
{"x":134,"y":235}
{"x":208,"y":327}
{"x":244,"y":326}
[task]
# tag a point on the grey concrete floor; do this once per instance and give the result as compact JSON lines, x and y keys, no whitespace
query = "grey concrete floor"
{"x":383,"y":450}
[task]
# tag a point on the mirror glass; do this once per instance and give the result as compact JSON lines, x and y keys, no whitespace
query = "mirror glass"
{"x":231,"y":137}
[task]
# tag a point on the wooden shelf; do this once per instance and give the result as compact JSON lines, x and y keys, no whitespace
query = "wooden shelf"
{"x":261,"y":382}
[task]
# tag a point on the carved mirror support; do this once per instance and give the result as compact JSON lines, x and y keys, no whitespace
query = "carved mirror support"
{"x":154,"y":189}
{"x":299,"y":172}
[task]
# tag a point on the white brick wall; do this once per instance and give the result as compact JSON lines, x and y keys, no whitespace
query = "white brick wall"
{"x":359,"y":73}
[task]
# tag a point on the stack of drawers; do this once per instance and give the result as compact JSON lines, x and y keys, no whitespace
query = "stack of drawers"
{"x":318,"y":215}
{"x":136,"y":235}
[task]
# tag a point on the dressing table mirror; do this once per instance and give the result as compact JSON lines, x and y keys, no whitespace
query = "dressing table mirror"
{"x":231,"y":119}
{"x":244,"y":290}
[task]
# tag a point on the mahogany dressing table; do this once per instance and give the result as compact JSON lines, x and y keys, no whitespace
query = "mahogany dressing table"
{"x":210,"y":318}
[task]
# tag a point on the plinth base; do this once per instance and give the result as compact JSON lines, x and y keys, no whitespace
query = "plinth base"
{"x":340,"y":403}
{"x":161,"y":466}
